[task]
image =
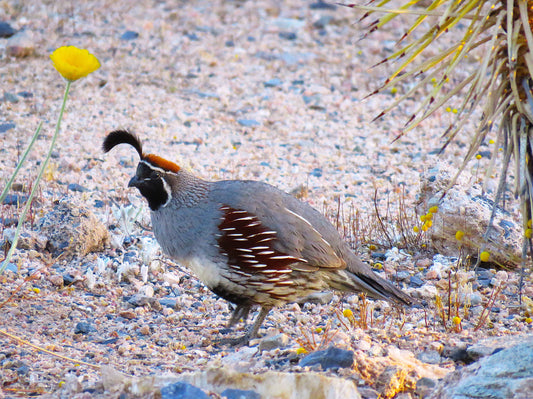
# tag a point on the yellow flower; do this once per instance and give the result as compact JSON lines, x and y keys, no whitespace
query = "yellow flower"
{"x":484,"y":256}
{"x":459,"y":235}
{"x":434,"y":209}
{"x":456,"y":320}
{"x":74,"y":63}
{"x":527,"y":233}
{"x":416,"y":229}
{"x":347,"y":313}
{"x":529,"y":320}
{"x":301,"y":351}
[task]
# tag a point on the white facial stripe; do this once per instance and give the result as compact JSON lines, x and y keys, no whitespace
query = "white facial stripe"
{"x":169,"y":193}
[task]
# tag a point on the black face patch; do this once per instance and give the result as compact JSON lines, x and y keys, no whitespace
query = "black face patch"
{"x":151,"y":185}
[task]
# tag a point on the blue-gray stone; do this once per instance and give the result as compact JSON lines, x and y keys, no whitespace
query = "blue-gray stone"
{"x":416,"y":282}
{"x":76,"y":187}
{"x":273,"y":82}
{"x":23,"y":370}
{"x":129,"y":35}
{"x":4,"y":127}
{"x":322,"y":21}
{"x":429,"y":356}
{"x":6,"y":30}
{"x":203,"y":94}
{"x":15,"y":199}
{"x":25,"y":94}
{"x":317,"y":172}
{"x":402,"y":275}
{"x":182,"y":390}
{"x":84,"y":328}
{"x":239,"y":394}
{"x":99,"y":203}
{"x":287,"y":35}
{"x":309,"y":99}
{"x":322,"y":5}
{"x":168,"y":302}
{"x":248,"y":122}
{"x":296,"y":58}
{"x":193,"y":37}
{"x":12,"y":267}
{"x":11,"y":98}
{"x":331,"y":358}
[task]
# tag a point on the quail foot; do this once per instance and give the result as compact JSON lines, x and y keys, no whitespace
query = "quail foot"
{"x":247,"y":241}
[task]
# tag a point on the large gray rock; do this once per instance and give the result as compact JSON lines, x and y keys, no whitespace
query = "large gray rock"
{"x":505,"y":374}
{"x":467,"y":208}
{"x":72,"y":229}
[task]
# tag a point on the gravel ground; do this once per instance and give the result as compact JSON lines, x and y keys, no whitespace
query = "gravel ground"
{"x":263,"y":90}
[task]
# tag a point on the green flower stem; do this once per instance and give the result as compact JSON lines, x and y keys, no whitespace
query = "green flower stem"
{"x":22,"y":217}
{"x":12,"y":179}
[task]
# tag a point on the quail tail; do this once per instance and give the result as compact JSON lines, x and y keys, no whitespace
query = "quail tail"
{"x":359,"y":277}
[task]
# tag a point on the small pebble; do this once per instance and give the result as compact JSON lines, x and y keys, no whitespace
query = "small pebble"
{"x":416,"y":282}
{"x":429,"y":356}
{"x":182,"y":390}
{"x":321,"y":5}
{"x":273,"y":82}
{"x":25,"y":94}
{"x":4,"y":127}
{"x":248,"y":122}
{"x":129,"y":35}
{"x":84,"y":328}
{"x":128,"y":314}
{"x":332,"y":358}
{"x":322,"y":21}
{"x":56,"y":280}
{"x":239,"y":394}
{"x":287,"y":35}
{"x":77,"y":188}
{"x":424,"y":386}
{"x":145,"y":329}
{"x":21,"y":44}
{"x":273,"y":342}
{"x":6,"y":30}
{"x":15,"y":199}
{"x":10,"y":98}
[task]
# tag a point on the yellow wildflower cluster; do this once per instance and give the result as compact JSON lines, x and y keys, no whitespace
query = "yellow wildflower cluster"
{"x":528,"y":232}
{"x":427,"y":220}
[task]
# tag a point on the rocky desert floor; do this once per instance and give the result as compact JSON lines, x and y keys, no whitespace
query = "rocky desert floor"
{"x":265,"y":90}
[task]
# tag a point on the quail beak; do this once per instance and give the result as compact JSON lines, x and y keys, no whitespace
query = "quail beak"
{"x":134,"y":182}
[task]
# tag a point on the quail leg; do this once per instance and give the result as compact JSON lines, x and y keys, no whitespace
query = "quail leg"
{"x":240,"y":312}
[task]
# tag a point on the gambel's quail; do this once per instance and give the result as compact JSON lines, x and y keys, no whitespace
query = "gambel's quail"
{"x":248,"y":242}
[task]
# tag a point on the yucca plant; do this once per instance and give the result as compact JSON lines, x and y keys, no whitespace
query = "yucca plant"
{"x":501,"y":85}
